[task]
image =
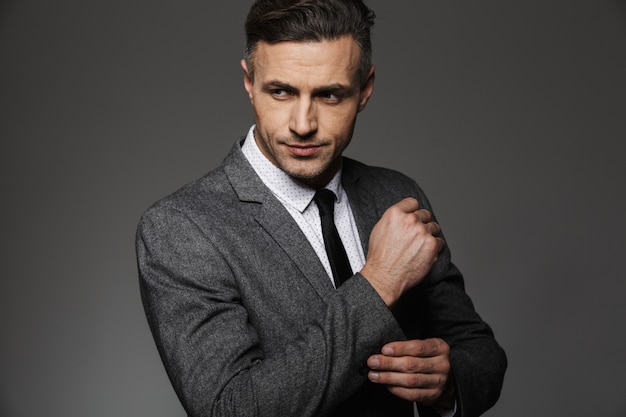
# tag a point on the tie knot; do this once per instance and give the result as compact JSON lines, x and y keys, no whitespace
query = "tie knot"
{"x":325,"y":200}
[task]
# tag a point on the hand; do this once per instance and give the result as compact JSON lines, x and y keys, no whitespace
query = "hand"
{"x":403,"y":246}
{"x":416,"y":370}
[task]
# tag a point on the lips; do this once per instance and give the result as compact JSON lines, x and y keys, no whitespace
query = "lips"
{"x":303,"y":151}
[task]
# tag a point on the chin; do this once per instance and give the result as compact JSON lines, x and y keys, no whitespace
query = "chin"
{"x":300,"y":172}
{"x":300,"y":175}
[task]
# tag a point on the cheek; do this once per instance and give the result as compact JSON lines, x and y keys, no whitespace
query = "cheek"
{"x":339,"y":125}
{"x":270,"y":116}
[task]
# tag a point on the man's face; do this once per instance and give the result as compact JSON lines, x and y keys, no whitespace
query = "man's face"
{"x":306,"y":96}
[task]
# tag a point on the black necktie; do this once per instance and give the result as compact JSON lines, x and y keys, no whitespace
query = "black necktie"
{"x":325,"y":200}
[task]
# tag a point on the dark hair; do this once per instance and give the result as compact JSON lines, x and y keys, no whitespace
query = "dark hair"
{"x":275,"y":21}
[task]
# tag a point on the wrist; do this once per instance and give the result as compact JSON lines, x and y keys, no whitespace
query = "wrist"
{"x":385,"y":291}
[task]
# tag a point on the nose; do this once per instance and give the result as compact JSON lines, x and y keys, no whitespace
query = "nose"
{"x":303,"y":121}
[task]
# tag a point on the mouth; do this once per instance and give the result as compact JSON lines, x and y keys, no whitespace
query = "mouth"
{"x":303,"y":151}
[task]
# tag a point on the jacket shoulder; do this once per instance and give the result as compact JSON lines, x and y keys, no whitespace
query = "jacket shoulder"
{"x":381,"y":180}
{"x":209,"y":193}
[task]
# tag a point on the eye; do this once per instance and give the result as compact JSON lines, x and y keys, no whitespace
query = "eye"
{"x":280,"y":93}
{"x":330,"y":97}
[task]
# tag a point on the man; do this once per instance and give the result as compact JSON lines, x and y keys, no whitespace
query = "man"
{"x":248,"y":308}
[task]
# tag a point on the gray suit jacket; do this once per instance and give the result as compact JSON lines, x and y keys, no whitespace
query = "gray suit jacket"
{"x":248,"y":323}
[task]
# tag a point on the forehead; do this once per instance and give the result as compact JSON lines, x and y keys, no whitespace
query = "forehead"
{"x":308,"y":63}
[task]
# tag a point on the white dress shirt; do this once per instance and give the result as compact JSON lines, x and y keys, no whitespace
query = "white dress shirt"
{"x":297,"y":198}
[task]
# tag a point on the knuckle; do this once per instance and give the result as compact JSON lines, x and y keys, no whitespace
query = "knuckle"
{"x":431,"y":243}
{"x":443,"y":346}
{"x":412,"y":201}
{"x":430,"y":368}
{"x":445,"y":368}
{"x":413,"y":366}
{"x":414,"y":380}
{"x":418,"y":348}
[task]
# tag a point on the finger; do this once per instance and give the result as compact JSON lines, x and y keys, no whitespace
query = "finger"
{"x":433,"y":228}
{"x":407,"y":364}
{"x":408,"y":380}
{"x":423,"y":215}
{"x":416,"y":347}
{"x":408,"y":205}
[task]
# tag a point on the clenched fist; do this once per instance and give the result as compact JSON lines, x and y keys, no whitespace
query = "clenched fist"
{"x":403,"y":247}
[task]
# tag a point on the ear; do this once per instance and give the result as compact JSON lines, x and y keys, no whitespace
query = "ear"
{"x":367,"y":89}
{"x":247,"y":80}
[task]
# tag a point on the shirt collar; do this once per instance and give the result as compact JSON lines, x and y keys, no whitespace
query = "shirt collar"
{"x":284,"y":187}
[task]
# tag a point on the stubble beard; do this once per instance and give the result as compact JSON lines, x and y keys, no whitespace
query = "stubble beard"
{"x":315,"y":171}
{"x":305,"y":169}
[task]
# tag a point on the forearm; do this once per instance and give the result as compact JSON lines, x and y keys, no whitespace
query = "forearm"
{"x":220,"y":364}
{"x":478,"y":362}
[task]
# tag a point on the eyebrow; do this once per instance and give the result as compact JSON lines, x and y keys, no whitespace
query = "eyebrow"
{"x":332,"y":88}
{"x":335,"y":89}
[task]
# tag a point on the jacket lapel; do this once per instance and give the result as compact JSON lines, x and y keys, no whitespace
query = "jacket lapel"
{"x":275,"y":219}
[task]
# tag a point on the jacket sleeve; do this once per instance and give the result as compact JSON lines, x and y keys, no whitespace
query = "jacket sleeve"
{"x":478,"y":362}
{"x":213,"y":354}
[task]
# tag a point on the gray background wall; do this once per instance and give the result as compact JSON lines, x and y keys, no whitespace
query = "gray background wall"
{"x":510,"y":114}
